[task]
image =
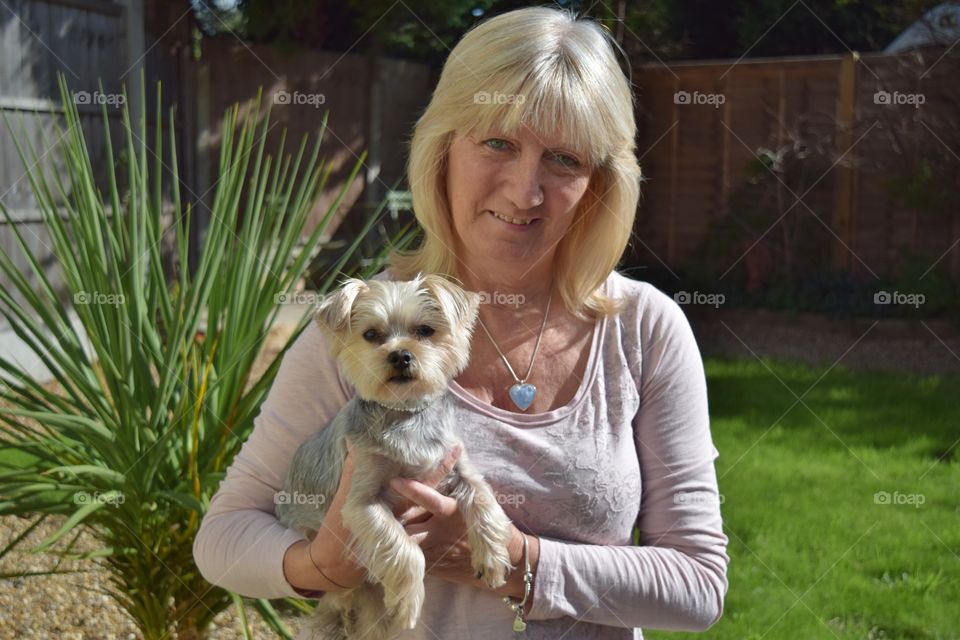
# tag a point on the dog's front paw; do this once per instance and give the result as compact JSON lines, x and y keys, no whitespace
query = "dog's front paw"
{"x":491,"y":563}
{"x":405,"y":613}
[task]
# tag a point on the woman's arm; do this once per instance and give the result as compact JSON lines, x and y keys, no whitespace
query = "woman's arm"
{"x":241,"y":545}
{"x":677,"y":578}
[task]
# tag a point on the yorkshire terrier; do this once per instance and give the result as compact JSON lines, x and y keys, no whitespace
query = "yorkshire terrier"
{"x":399,"y":344}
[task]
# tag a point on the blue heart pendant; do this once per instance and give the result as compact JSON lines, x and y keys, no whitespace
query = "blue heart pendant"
{"x":522,"y":395}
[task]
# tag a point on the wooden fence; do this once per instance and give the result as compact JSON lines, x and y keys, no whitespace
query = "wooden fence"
{"x":372,"y":104}
{"x":86,"y":41}
{"x":866,"y":152}
{"x":864,"y":169}
{"x":90,"y":42}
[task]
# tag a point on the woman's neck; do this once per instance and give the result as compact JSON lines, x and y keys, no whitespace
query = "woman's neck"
{"x":503,"y":285}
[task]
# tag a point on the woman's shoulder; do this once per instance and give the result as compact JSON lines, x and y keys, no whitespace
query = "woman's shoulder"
{"x":647,"y":310}
{"x":640,"y":296}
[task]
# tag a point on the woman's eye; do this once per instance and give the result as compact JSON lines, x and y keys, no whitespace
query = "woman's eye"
{"x":567,"y":161}
{"x":424,"y":331}
{"x":370,"y":335}
{"x":496,"y":144}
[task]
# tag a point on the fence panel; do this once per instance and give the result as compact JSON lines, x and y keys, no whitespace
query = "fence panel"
{"x":850,"y":162}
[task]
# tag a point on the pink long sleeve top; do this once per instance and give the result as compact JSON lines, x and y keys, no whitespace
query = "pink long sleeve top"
{"x":632,"y":448}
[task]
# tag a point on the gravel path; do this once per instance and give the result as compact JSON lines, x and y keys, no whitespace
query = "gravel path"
{"x":71,"y":607}
{"x":899,"y":346}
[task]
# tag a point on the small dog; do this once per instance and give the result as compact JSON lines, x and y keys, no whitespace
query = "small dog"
{"x":399,"y":344}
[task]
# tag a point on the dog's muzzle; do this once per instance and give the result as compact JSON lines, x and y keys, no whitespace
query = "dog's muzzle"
{"x":400,"y":359}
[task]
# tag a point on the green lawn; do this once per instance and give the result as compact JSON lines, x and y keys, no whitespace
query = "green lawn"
{"x":813,"y":553}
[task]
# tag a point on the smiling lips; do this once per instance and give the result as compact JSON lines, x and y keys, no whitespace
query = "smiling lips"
{"x":513,"y":221}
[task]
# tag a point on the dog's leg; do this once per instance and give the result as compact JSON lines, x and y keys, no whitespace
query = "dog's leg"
{"x":327,"y":621}
{"x":488,"y":527}
{"x":384,"y":548}
{"x":370,"y":619}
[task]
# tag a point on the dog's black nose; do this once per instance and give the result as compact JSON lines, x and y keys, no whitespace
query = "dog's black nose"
{"x":400,"y":359}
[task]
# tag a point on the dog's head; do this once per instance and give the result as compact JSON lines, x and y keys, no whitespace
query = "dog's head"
{"x":399,"y":342}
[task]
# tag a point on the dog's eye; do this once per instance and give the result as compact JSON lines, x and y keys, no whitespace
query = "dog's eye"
{"x":370,"y":335}
{"x":424,"y":331}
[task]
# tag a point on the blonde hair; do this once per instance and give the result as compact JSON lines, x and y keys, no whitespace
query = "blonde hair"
{"x":566,"y":70}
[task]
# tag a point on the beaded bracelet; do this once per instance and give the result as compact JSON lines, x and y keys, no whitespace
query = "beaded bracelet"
{"x":520,"y":622}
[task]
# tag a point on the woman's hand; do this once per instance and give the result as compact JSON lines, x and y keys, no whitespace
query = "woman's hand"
{"x":441,"y":533}
{"x":329,"y":549}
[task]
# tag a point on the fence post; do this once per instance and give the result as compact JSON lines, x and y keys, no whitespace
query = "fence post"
{"x":674,"y":152}
{"x":725,"y":154}
{"x":843,"y":200}
{"x":374,"y":127}
{"x":135,"y":45}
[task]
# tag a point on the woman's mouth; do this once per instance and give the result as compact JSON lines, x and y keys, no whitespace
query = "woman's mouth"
{"x":518,"y":223}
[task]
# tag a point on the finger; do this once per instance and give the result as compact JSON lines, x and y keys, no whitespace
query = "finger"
{"x":445,"y":467}
{"x":421,"y":494}
{"x":408,"y":514}
{"x":346,"y":478}
{"x":348,"y":461}
{"x":419,"y":537}
{"x":421,"y":529}
{"x":451,"y":460}
{"x":420,"y":515}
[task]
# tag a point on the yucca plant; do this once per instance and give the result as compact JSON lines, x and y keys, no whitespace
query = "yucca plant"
{"x":151,"y":412}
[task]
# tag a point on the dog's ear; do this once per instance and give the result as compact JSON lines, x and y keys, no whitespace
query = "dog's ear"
{"x":458,"y":306}
{"x":333,"y":314}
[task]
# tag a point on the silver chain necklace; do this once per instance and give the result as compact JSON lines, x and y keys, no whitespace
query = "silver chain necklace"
{"x":522,"y":392}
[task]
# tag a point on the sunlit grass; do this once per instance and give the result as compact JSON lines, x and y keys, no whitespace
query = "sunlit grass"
{"x":840,"y":501}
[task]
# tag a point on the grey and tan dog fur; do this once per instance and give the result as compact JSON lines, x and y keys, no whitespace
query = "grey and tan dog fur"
{"x":399,"y":344}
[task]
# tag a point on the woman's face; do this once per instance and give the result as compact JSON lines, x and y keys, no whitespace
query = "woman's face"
{"x":512,"y":197}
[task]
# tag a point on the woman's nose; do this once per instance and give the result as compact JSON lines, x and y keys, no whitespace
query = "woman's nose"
{"x":524,"y":185}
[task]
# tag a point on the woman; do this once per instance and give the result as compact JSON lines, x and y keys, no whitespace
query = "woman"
{"x":525,"y":181}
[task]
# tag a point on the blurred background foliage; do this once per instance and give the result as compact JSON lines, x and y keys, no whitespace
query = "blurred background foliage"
{"x":425,"y":30}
